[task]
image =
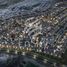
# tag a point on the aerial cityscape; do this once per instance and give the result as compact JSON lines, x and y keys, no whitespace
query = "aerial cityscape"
{"x":33,"y":33}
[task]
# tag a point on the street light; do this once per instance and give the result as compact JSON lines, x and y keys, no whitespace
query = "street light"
{"x":34,"y":56}
{"x":23,"y":53}
{"x":16,"y":51}
{"x":7,"y":50}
